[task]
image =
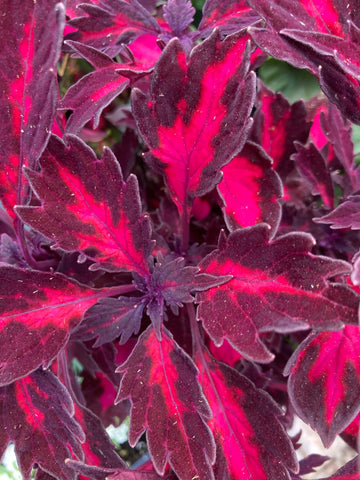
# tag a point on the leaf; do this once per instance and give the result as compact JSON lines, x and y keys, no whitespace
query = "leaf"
{"x":324,"y":382}
{"x":312,"y":166}
{"x":38,"y":310}
{"x":214,"y":91}
{"x":230,"y":16}
{"x":96,"y":90}
{"x":251,"y":443}
{"x":111,"y":318}
{"x":98,"y":448}
{"x":114,"y":22}
{"x":310,"y":36}
{"x":37,"y":414}
{"x":31,"y":35}
{"x":277,"y":124}
{"x":346,"y":215}
{"x":250,"y":189}
{"x":276,"y":286}
{"x":90,"y":95}
{"x":87,"y":207}
{"x":160,"y":380}
{"x":178,"y":14}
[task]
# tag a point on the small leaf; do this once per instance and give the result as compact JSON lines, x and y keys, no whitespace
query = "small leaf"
{"x":178,"y":14}
{"x":87,"y":207}
{"x":160,"y":380}
{"x":229,"y":17}
{"x":109,"y":25}
{"x":346,"y":215}
{"x":111,"y":318}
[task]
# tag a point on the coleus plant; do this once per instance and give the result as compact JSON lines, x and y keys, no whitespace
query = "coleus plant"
{"x":179,"y":243}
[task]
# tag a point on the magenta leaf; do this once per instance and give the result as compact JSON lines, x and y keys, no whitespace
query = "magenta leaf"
{"x":324,"y":383}
{"x":31,"y":35}
{"x":277,"y":124}
{"x":38,"y":310}
{"x":309,"y":35}
{"x":276,"y":286}
{"x":87,"y":207}
{"x":250,"y":189}
{"x":160,"y":380}
{"x":230,"y":16}
{"x":37,"y":416}
{"x":312,"y":165}
{"x":249,"y":446}
{"x":96,"y":90}
{"x":110,"y":24}
{"x":346,"y":215}
{"x":213,"y":90}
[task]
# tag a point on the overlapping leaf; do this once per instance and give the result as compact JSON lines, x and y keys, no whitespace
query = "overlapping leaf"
{"x":37,"y":416}
{"x":277,"y":124}
{"x":160,"y":380}
{"x":308,"y":36}
{"x":230,"y":16}
{"x":212,"y":91}
{"x":346,"y":215}
{"x":111,"y":318}
{"x":250,"y":189}
{"x":324,"y":383}
{"x":312,"y":165}
{"x":87,"y":207}
{"x":251,"y":444}
{"x":109,"y":24}
{"x":98,"y":449}
{"x":276,"y":286}
{"x":96,"y":90}
{"x":30,"y":39}
{"x":37,"y":313}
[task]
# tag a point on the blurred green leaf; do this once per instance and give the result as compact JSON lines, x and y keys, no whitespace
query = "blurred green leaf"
{"x":293,"y":83}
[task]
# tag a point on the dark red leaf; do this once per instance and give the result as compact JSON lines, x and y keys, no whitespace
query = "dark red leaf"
{"x":87,"y":207}
{"x":178,"y":14}
{"x":213,"y":90}
{"x":251,"y":443}
{"x":37,"y":414}
{"x":324,"y":382}
{"x":37,"y":313}
{"x":312,"y":165}
{"x":346,"y":215}
{"x":351,"y":433}
{"x":160,"y":380}
{"x":230,"y":16}
{"x":99,"y":450}
{"x":111,"y":318}
{"x":276,"y":286}
{"x":96,"y":90}
{"x":250,"y":189}
{"x":109,"y":25}
{"x":277,"y":124}
{"x":30,"y":40}
{"x":310,"y":36}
